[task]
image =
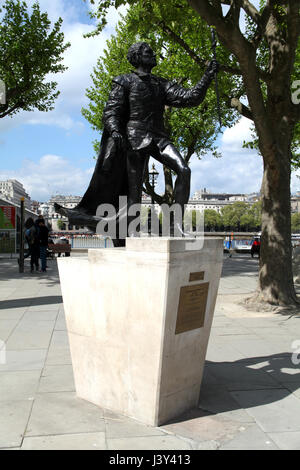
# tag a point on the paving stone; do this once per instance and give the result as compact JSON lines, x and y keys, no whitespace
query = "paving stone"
{"x":14,"y":417}
{"x":220,"y":349}
{"x":286,"y":440}
{"x":59,"y":340}
{"x":62,"y":413}
{"x":59,"y":356}
{"x":6,"y":328}
{"x":118,"y":426}
{"x":250,"y":438}
{"x":89,"y":441}
{"x":256,"y":347}
{"x":21,"y":385}
{"x":31,"y":334}
{"x":274,"y":410}
{"x":201,"y":426}
{"x":217,"y":399}
{"x":57,"y":379}
{"x":241,"y":376}
{"x":60,"y":324}
{"x":12,"y":313}
{"x":293,"y":387}
{"x":24,"y":360}
{"x":43,"y":315}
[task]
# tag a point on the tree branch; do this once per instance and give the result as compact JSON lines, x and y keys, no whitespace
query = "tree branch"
{"x":261,"y":27}
{"x":241,"y":108}
{"x":202,"y":63}
{"x":234,"y":12}
{"x":8,"y":111}
{"x":251,"y":11}
{"x":182,"y":43}
{"x":229,"y":32}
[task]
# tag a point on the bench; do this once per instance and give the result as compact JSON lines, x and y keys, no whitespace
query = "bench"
{"x":59,"y":248}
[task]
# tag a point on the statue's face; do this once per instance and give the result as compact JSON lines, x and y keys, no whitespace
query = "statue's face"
{"x":147,"y":57}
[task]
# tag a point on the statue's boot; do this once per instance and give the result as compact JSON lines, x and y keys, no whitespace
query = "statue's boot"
{"x":80,"y":217}
{"x":77,"y":217}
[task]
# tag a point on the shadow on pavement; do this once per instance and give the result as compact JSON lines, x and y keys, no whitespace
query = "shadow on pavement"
{"x":31,"y":301}
{"x":9,"y":270}
{"x":240,"y":265}
{"x":249,"y":383}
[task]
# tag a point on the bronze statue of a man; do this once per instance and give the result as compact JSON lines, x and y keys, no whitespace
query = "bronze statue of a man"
{"x":133,"y":131}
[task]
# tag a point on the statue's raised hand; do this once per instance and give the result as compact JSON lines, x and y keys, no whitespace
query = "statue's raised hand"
{"x":213,"y":68}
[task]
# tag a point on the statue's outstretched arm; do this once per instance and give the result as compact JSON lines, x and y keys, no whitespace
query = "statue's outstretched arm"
{"x":180,"y":97}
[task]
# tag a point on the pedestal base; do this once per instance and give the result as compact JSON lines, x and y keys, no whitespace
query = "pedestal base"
{"x":139,"y":321}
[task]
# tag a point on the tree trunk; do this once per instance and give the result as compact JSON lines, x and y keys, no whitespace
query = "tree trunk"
{"x":276,"y":285}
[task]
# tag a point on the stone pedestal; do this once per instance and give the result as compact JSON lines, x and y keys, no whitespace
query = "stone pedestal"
{"x":139,"y":320}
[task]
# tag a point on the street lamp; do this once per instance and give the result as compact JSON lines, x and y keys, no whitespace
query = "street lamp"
{"x":153,"y":175}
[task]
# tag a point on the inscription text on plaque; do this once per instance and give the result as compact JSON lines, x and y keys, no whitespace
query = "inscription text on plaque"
{"x":192,"y":307}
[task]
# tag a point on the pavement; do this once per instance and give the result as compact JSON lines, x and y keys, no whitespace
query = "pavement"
{"x":250,"y":397}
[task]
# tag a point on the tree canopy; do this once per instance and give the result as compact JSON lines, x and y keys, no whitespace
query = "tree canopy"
{"x":30,"y":50}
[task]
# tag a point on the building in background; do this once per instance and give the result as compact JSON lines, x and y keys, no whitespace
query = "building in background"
{"x":295,"y":203}
{"x":57,"y":222}
{"x":13,"y":191}
{"x":35,"y":206}
{"x":205,"y":195}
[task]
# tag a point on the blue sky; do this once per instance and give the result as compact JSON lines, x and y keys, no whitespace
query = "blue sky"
{"x":52,"y":153}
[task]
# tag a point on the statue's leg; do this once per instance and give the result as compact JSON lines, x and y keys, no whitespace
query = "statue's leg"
{"x":136,"y":162}
{"x":171,"y":158}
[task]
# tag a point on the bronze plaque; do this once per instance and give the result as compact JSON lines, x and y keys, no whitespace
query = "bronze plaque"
{"x":197,"y":276}
{"x":192,"y":307}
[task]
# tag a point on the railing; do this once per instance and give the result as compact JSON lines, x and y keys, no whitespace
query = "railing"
{"x":86,"y":241}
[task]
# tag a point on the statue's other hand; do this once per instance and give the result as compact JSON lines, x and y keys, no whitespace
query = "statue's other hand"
{"x":118,"y":138}
{"x":213,"y":68}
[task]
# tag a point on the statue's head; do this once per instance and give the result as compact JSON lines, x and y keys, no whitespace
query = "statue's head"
{"x":141,"y":54}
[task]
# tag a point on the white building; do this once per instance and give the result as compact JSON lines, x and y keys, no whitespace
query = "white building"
{"x":66,"y":201}
{"x":13,"y":191}
{"x":194,"y":204}
{"x":48,"y":211}
{"x":205,"y":195}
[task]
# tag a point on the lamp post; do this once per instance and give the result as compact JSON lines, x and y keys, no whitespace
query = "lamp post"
{"x":153,"y":175}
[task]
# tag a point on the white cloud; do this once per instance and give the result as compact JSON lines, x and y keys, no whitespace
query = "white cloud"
{"x":234,"y":137}
{"x":52,"y":174}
